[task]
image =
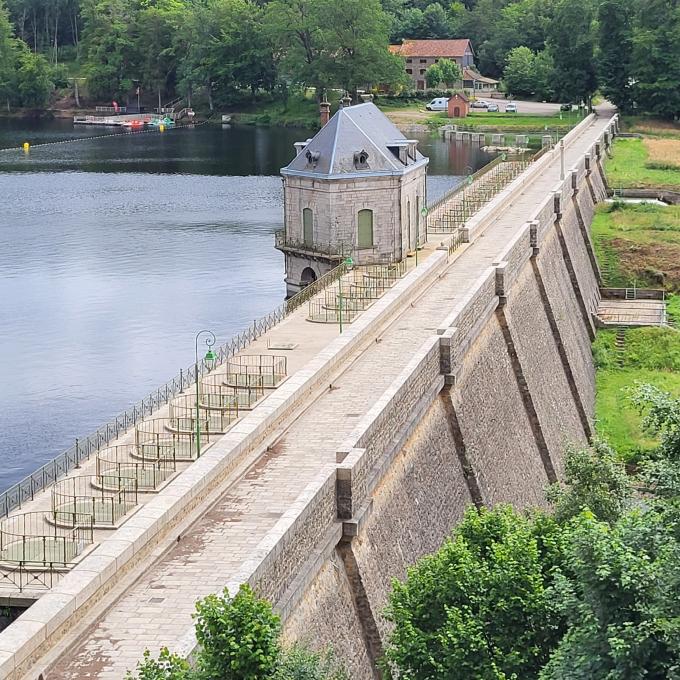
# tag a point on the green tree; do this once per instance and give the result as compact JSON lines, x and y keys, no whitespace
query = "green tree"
{"x":619,"y":600}
{"x":354,"y":40}
{"x":433,"y":76}
{"x":519,"y":75}
{"x":154,"y":45}
{"x":8,"y":49}
{"x":595,"y":480}
{"x":33,"y":79}
{"x":481,"y":607}
{"x":108,"y":46}
{"x":571,"y":41}
{"x":656,"y":57}
{"x":615,"y":51}
{"x":238,"y":636}
{"x":450,"y":72}
{"x":295,"y":32}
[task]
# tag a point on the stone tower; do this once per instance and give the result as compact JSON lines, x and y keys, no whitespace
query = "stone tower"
{"x":355,"y":190}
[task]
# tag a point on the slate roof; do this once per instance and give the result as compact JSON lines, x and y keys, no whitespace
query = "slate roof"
{"x":334,"y":150}
{"x":471,"y":74}
{"x":432,"y":48}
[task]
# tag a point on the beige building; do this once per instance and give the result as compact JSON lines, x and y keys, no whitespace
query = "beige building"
{"x":420,"y":54}
{"x":355,"y":190}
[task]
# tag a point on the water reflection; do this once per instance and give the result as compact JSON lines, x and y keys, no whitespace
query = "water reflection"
{"x":115,"y":250}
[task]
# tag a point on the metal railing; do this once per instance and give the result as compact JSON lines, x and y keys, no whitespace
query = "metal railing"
{"x":55,"y":469}
{"x":334,"y":308}
{"x":110,"y":109}
{"x":31,"y":538}
{"x":255,"y":370}
{"x":214,"y":393}
{"x":330,"y":250}
{"x":170,"y":438}
{"x":457,"y":189}
{"x":74,"y":496}
{"x":214,"y":419}
{"x":115,"y":464}
{"x":354,"y":292}
{"x":467,"y":199}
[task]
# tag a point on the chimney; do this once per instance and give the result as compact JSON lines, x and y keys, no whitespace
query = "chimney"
{"x":325,"y":112}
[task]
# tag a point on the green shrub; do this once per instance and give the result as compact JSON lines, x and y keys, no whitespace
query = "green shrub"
{"x":167,"y":667}
{"x":238,"y":636}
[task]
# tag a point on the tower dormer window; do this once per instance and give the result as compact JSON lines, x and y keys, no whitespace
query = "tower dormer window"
{"x":361,"y":160}
{"x":312,"y":157}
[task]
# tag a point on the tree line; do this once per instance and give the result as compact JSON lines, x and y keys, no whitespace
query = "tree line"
{"x":223,"y":50}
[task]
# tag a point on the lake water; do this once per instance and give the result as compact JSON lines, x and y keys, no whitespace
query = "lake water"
{"x":115,"y":250}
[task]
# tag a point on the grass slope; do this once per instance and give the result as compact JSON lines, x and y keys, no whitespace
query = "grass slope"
{"x":638,"y":244}
{"x":650,"y":355}
{"x":632,"y":168}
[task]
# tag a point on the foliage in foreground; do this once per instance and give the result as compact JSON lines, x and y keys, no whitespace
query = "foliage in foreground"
{"x":587,"y":592}
{"x":238,"y":640}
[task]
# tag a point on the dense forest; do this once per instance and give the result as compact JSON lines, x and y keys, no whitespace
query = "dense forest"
{"x":221,"y":51}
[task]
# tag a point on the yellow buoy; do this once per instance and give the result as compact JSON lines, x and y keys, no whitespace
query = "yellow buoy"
{"x":27,"y":146}
{"x":161,"y":127}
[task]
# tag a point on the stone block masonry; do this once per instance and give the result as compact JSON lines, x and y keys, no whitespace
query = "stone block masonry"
{"x":461,"y":386}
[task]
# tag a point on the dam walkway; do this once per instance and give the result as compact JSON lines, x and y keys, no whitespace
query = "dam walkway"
{"x":219,"y":542}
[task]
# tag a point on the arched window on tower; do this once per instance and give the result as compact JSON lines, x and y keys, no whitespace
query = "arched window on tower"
{"x":365,"y":236}
{"x":308,"y":227}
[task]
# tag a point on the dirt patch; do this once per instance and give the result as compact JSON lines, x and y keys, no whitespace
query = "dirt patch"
{"x":652,"y":265}
{"x":664,"y":151}
{"x":409,"y":116}
{"x":656,"y":126}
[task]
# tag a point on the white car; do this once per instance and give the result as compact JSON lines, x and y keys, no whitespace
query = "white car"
{"x":511,"y":107}
{"x":438,"y":104}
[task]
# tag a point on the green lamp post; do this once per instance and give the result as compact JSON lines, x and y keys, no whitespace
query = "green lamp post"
{"x":209,"y":356}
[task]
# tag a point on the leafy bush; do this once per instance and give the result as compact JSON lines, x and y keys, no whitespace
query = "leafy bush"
{"x":239,"y":640}
{"x":238,"y":636}
{"x":299,"y":663}
{"x":167,"y":667}
{"x":481,"y":607}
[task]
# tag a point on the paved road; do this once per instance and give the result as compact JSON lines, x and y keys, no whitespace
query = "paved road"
{"x":157,"y":609}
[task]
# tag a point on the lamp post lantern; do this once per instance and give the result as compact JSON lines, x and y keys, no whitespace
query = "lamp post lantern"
{"x":209,"y":356}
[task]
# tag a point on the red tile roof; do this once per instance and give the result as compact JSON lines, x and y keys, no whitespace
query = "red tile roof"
{"x":432,"y":48}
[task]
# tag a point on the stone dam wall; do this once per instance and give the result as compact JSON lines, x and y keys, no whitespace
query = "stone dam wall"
{"x":481,"y":415}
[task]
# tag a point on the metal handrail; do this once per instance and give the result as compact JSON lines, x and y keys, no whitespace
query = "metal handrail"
{"x":84,"y":495}
{"x":55,"y":469}
{"x":116,"y":463}
{"x":255,"y":370}
{"x":29,"y":537}
{"x":283,"y":241}
{"x":460,"y":187}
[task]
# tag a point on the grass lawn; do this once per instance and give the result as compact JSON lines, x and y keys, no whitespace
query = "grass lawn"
{"x":410,"y":111}
{"x":638,"y":244}
{"x":636,"y":164}
{"x":650,"y":355}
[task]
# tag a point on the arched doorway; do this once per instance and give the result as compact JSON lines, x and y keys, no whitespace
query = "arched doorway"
{"x":308,"y":276}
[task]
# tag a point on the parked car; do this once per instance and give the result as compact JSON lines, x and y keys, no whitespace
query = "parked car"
{"x":492,"y":108}
{"x":479,"y":104}
{"x":438,"y":104}
{"x":566,"y":107}
{"x":511,"y":107}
